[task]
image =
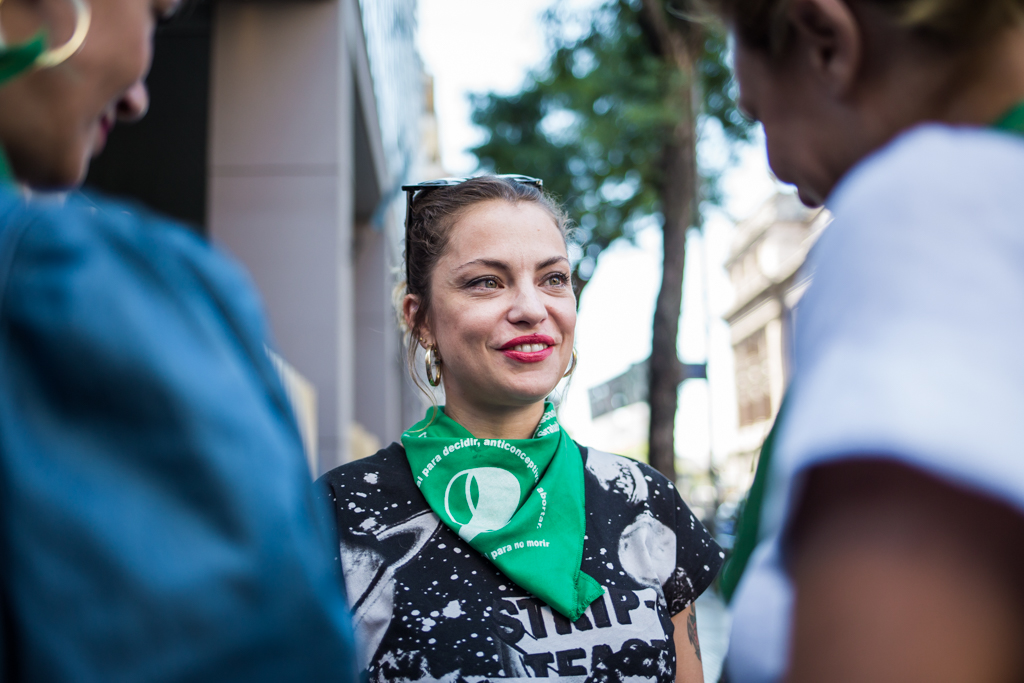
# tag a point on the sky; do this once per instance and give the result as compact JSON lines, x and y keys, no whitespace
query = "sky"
{"x":478,"y":46}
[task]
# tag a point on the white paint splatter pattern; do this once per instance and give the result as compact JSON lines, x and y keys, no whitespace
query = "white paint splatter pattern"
{"x":429,"y":607}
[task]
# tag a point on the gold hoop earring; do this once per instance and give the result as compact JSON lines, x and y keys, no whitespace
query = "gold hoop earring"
{"x":572,"y":366}
{"x":58,"y":55}
{"x":433,"y":363}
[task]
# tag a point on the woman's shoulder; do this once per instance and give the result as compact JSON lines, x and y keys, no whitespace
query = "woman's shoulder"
{"x":159,"y":319}
{"x":934,"y":169}
{"x":634,"y":501}
{"x":149,"y":298}
{"x":111,"y":251}
{"x":84,"y":221}
{"x":373,"y":493}
{"x":386,"y":465}
{"x":619,"y":474}
{"x":597,"y":461}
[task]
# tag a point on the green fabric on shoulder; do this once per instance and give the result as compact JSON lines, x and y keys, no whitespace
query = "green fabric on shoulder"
{"x":1012,"y":121}
{"x":16,"y":59}
{"x":748,"y":525}
{"x":5,"y":168}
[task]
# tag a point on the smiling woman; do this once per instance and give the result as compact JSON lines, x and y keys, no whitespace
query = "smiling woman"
{"x":488,"y":544}
{"x":510,"y":231}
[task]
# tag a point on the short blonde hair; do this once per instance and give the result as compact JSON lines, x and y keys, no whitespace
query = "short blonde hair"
{"x":762,"y":24}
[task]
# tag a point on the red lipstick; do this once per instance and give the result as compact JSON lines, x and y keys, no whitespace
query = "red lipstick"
{"x":528,"y":354}
{"x":106,"y":124}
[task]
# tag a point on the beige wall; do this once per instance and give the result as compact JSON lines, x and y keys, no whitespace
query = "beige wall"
{"x":281,"y":186}
{"x":378,"y":362}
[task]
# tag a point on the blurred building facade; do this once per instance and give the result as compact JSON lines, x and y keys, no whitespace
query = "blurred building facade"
{"x":765,"y":267}
{"x":293,"y":130}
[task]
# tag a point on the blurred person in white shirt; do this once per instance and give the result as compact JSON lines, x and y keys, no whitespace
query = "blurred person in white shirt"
{"x":891,"y":530}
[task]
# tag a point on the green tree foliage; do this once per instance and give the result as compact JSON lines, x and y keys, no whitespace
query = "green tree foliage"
{"x":611,"y":125}
{"x":594,"y":122}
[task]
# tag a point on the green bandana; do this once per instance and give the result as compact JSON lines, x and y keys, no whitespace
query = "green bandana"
{"x":5,"y":169}
{"x":15,"y":59}
{"x":1012,"y":121}
{"x":518,"y":502}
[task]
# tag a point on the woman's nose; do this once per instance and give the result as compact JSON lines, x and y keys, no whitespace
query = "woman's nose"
{"x":134,"y":103}
{"x":528,"y":307}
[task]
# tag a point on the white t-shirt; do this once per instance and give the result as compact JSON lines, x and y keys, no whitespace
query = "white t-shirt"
{"x":909,"y":343}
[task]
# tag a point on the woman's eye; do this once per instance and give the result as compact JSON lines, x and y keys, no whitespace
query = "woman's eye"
{"x":557,"y":279}
{"x":486,"y":283}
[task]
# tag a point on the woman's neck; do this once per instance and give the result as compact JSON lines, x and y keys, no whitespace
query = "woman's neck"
{"x":992,"y":85}
{"x":519,"y":422}
{"x":909,"y":84}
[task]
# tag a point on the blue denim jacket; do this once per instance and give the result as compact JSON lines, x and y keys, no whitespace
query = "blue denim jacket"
{"x":157,"y":520}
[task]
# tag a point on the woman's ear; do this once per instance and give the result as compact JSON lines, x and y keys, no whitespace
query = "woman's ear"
{"x":410,"y":308}
{"x":829,"y":39}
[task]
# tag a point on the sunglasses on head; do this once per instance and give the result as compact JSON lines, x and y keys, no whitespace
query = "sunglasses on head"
{"x":411,"y":190}
{"x":448,"y":182}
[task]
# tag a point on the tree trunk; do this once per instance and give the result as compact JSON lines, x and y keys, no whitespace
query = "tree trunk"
{"x":677,"y":191}
{"x":666,"y":370}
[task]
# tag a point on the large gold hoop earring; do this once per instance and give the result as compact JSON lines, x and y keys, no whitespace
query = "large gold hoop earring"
{"x":61,"y":54}
{"x":40,"y":57}
{"x":572,"y":366}
{"x":433,"y":363}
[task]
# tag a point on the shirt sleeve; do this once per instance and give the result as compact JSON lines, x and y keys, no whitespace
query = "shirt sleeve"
{"x":158,"y":518}
{"x":698,"y":557}
{"x":908,"y":341}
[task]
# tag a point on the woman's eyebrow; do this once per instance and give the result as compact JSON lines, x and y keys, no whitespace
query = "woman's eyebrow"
{"x":501,"y":265}
{"x":552,"y":261}
{"x":490,"y":263}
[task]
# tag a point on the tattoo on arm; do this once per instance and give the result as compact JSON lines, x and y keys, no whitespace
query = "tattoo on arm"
{"x":691,"y":630}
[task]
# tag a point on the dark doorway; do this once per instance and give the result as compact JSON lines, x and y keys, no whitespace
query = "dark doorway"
{"x":161,"y":161}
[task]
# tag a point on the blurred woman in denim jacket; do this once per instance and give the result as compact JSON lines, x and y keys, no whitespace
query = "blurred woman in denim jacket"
{"x":156,"y":517}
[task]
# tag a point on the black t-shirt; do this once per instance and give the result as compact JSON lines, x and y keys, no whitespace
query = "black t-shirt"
{"x":427,"y":606}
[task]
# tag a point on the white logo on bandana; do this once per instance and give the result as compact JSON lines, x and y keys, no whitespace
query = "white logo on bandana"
{"x":497,"y":499}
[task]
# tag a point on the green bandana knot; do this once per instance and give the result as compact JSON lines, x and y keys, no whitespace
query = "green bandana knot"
{"x":518,"y":502}
{"x":5,"y":170}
